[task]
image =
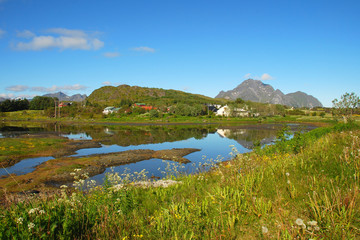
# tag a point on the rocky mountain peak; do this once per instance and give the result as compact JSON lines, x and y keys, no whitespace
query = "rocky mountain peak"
{"x":257,"y":91}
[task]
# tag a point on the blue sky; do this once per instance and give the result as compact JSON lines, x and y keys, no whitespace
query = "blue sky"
{"x":77,"y":46}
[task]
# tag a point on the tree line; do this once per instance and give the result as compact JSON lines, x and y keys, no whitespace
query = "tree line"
{"x":37,"y":103}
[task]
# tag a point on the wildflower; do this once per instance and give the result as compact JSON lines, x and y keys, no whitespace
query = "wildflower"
{"x":299,"y":222}
{"x":72,"y":173}
{"x":31,"y":211}
{"x":63,"y":186}
{"x":19,"y":220}
{"x":42,"y":212}
{"x":264,"y":230}
{"x":312,"y":223}
{"x":287,"y":174}
{"x":31,"y":225}
{"x":288,"y":182}
{"x":77,"y":170}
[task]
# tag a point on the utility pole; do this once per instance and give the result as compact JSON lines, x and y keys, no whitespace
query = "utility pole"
{"x":55,"y":106}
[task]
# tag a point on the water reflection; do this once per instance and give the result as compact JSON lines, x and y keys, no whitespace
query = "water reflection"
{"x":213,"y":140}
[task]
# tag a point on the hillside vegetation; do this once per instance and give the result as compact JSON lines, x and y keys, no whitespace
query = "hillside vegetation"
{"x":109,"y":95}
{"x":303,"y":188}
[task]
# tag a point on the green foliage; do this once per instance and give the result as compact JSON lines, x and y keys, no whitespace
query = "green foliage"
{"x":14,"y":105}
{"x":41,"y":103}
{"x":153,"y":113}
{"x":239,"y":101}
{"x":127,"y":95}
{"x":296,"y":112}
{"x":346,"y":106}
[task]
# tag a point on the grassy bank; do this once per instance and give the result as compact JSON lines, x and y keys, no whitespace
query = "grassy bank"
{"x":39,"y":116}
{"x":307,"y":187}
{"x":14,"y":149}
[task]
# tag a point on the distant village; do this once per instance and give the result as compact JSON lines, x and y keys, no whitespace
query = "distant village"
{"x":218,"y":110}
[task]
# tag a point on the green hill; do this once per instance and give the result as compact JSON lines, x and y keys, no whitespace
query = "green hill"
{"x":110,"y":95}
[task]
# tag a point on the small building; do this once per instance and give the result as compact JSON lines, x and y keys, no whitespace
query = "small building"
{"x":109,"y":110}
{"x":62,"y":104}
{"x":224,"y":111}
{"x":143,"y":106}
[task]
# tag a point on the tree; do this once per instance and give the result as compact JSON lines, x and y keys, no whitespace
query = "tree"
{"x":239,"y":100}
{"x":346,"y":106}
{"x":14,"y":105}
{"x":41,"y":103}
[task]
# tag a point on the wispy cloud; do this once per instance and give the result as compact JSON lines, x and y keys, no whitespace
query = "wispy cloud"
{"x":106,"y":83}
{"x":266,"y":76}
{"x":61,"y":38}
{"x":144,"y":49}
{"x":25,"y":34}
{"x":247,"y":76}
{"x":17,"y":88}
{"x":2,"y":32}
{"x":55,"y":88}
{"x":7,"y":95}
{"x":111,"y":54}
{"x":263,"y":77}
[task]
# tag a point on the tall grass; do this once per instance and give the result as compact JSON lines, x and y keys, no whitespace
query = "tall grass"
{"x":304,"y":188}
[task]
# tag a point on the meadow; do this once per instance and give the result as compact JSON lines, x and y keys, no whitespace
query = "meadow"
{"x":303,"y":188}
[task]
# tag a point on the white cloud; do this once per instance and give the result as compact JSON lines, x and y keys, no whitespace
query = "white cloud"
{"x":2,"y":33}
{"x":106,"y":83}
{"x":63,"y":39}
{"x":266,"y":76}
{"x":247,"y":76}
{"x":17,"y":88}
{"x":68,"y":32}
{"x":111,"y":54}
{"x":25,"y":34}
{"x":144,"y":49}
{"x":55,"y":88}
{"x":7,"y":95}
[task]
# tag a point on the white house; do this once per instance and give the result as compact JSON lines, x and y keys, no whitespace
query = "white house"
{"x":109,"y":110}
{"x":224,"y":111}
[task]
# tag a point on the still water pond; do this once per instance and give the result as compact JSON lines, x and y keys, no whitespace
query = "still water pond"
{"x":214,"y":141}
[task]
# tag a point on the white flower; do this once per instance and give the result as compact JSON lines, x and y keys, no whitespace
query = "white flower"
{"x":288,"y":182}
{"x":31,"y":225}
{"x":42,"y":212}
{"x":72,"y":173}
{"x":63,"y":186}
{"x":312,"y":223}
{"x":264,"y":229}
{"x":77,"y":170}
{"x":299,"y":222}
{"x":19,"y":220}
{"x":31,"y":211}
{"x":287,"y":174}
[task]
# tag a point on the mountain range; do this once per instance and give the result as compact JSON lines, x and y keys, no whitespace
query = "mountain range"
{"x":257,"y":91}
{"x":63,"y":97}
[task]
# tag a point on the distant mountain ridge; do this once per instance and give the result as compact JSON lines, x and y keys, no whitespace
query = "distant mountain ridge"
{"x":257,"y":91}
{"x":63,"y":97}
